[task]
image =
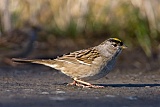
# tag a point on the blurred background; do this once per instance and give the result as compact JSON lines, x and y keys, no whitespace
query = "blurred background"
{"x":47,"y":28}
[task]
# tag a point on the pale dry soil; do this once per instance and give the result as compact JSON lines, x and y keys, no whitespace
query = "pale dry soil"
{"x":39,"y":86}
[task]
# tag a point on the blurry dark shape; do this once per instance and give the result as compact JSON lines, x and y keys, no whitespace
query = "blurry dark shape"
{"x":17,"y":44}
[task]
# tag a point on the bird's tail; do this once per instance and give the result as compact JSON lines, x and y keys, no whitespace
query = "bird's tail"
{"x":36,"y":61}
{"x":22,"y":60}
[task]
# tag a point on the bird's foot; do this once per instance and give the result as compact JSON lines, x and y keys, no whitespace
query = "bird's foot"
{"x":84,"y":84}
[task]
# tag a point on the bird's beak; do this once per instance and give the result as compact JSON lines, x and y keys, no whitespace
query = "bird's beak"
{"x":124,"y":47}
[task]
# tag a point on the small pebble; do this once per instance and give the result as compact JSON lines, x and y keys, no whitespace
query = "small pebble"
{"x":45,"y":93}
{"x":57,"y":98}
{"x":110,"y":96}
{"x":8,"y":90}
{"x":60,"y":92}
{"x":147,"y":86}
{"x":28,"y":90}
{"x":132,"y":97}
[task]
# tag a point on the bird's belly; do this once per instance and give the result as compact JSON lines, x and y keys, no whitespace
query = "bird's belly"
{"x":103,"y":71}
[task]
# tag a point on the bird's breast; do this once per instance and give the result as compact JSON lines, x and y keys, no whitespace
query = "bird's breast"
{"x":102,"y":71}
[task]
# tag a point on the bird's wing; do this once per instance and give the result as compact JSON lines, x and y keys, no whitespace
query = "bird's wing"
{"x":86,"y":56}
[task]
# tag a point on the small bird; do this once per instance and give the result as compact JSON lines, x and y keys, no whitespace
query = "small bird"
{"x":87,"y":64}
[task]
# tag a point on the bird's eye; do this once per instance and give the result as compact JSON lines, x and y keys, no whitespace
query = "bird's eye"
{"x":115,"y":45}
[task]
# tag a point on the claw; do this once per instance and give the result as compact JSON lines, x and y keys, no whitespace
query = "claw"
{"x":84,"y":84}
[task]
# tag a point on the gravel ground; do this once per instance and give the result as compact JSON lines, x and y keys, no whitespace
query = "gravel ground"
{"x":39,"y":86}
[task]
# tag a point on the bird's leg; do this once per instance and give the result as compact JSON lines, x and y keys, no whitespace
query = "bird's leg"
{"x":85,"y":84}
{"x":75,"y":83}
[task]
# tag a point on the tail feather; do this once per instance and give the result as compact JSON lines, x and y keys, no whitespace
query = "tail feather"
{"x":22,"y":60}
{"x":50,"y":63}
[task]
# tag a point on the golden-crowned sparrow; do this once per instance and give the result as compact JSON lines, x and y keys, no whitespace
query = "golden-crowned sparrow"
{"x":87,"y":64}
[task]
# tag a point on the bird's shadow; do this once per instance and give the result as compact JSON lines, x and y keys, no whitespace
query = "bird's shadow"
{"x":129,"y":85}
{"x":122,"y":85}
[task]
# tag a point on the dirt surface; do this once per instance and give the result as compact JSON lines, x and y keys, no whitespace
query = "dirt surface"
{"x":39,"y":86}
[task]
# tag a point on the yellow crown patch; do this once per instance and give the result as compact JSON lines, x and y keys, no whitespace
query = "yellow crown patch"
{"x":116,"y":39}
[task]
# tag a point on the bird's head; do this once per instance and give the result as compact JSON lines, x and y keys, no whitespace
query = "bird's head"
{"x":111,"y":46}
